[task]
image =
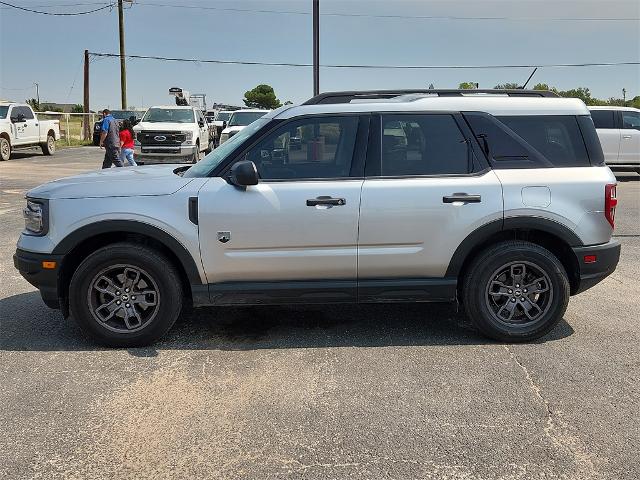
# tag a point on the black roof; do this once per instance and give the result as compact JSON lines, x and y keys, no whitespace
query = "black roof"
{"x":347,"y":96}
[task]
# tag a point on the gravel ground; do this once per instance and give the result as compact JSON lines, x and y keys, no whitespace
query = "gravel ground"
{"x":318,"y":392}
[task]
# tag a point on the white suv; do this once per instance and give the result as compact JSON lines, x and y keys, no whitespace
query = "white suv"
{"x":238,"y":120}
{"x":619,"y":132}
{"x":502,"y":202}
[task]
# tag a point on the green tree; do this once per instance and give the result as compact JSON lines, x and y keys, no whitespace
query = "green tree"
{"x":507,"y":86}
{"x":261,"y":96}
{"x":77,"y":108}
{"x":467,"y":86}
{"x":34,"y":104}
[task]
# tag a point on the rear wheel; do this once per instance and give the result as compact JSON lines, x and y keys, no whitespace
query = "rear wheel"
{"x":49,"y":147}
{"x":5,"y":149}
{"x":516,"y":291}
{"x":125,"y":295}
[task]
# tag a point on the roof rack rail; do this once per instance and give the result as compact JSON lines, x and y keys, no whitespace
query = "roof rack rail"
{"x":346,"y":97}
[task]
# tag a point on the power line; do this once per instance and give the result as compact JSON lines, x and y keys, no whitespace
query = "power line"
{"x":58,"y":14}
{"x":363,"y":66}
{"x":416,"y":17}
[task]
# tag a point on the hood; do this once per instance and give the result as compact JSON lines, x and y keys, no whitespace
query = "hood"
{"x":168,"y":126}
{"x":234,"y":129}
{"x":115,"y":182}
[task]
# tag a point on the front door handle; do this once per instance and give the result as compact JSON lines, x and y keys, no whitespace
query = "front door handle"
{"x":462,"y":197}
{"x":325,"y":200}
{"x":626,"y":136}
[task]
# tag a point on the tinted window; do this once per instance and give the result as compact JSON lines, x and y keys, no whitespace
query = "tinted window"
{"x":241,"y":119}
{"x":309,"y":148}
{"x":591,"y":140}
{"x":631,"y":120}
{"x":498,"y":143}
{"x":26,"y":111}
{"x":603,"y":118}
{"x":557,"y":137}
{"x":423,"y":145}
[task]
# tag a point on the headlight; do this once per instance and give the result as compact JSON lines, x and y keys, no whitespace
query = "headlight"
{"x":188,"y":136}
{"x":35,"y":217}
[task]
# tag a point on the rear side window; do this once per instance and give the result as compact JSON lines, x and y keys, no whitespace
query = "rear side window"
{"x":557,"y":137}
{"x":603,"y":118}
{"x":631,"y":120}
{"x":423,"y":145}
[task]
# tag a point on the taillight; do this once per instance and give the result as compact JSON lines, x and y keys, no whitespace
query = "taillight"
{"x":610,"y":202}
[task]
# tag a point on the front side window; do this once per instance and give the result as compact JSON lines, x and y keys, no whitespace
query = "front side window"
{"x":220,"y":154}
{"x":603,"y":118}
{"x":556,"y":137}
{"x":26,"y":111}
{"x":309,"y":148}
{"x":171,"y":115}
{"x":631,"y":120}
{"x":419,"y":144}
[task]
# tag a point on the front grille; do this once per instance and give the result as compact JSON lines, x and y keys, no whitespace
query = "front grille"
{"x":160,"y":138}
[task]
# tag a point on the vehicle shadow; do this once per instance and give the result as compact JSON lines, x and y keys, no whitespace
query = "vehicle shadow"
{"x":26,"y":324}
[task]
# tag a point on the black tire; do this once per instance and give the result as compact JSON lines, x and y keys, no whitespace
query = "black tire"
{"x":49,"y":147}
{"x":5,"y":149}
{"x":155,"y":274}
{"x":487,"y":298}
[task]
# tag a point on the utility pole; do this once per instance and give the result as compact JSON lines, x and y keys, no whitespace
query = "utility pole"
{"x":37,"y":93}
{"x":316,"y":47}
{"x":123,"y":71}
{"x":624,"y":94}
{"x":87,"y":127}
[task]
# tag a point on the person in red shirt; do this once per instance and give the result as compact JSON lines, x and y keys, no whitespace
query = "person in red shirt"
{"x":126,"y":143}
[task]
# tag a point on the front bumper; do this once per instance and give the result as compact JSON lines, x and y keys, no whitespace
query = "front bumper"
{"x":29,"y":264}
{"x":149,"y":154}
{"x":591,"y":272}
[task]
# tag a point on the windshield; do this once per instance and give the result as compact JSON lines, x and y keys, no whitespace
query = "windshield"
{"x":3,"y":111}
{"x":240,"y":119}
{"x":123,"y":114}
{"x":211,"y":161}
{"x":172,"y":115}
{"x":223,"y":116}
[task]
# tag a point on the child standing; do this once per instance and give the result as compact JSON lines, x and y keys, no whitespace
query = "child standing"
{"x":126,"y":143}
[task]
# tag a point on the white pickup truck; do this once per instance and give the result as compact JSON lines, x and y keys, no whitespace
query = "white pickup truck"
{"x":20,"y":128}
{"x":172,"y":134}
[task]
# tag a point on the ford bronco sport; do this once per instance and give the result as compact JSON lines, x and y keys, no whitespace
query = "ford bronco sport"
{"x":499,"y":200}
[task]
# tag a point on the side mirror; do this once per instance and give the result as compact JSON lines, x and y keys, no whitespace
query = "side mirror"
{"x":224,"y":124}
{"x":18,"y":118}
{"x":201,"y":123}
{"x":243,"y":174}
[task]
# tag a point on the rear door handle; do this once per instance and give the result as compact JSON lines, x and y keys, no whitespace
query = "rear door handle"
{"x":325,"y":200}
{"x":462,"y":197}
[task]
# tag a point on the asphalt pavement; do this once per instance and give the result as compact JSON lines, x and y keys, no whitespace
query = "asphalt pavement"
{"x":402,"y":392}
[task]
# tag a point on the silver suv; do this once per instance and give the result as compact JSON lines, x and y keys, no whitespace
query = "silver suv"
{"x":499,"y":200}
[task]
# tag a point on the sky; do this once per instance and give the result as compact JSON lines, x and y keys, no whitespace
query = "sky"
{"x":48,"y":50}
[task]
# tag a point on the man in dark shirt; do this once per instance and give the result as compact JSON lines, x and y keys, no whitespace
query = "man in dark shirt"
{"x":110,"y":140}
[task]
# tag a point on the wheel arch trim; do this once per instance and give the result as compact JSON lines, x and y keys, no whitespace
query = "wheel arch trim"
{"x":75,"y":238}
{"x":486,"y":231}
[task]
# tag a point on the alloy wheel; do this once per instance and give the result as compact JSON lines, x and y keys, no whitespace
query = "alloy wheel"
{"x":519,"y":293}
{"x":123,"y":298}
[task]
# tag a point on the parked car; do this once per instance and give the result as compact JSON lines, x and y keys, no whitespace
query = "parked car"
{"x":238,"y":120}
{"x":21,"y":128}
{"x":219,"y":123}
{"x":619,"y":132}
{"x":502,"y":204}
{"x":172,"y":134}
{"x":119,"y":115}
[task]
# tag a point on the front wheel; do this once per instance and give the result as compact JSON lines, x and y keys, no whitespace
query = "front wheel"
{"x":516,"y":291}
{"x":5,"y":149}
{"x":125,"y":295}
{"x":49,"y":147}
